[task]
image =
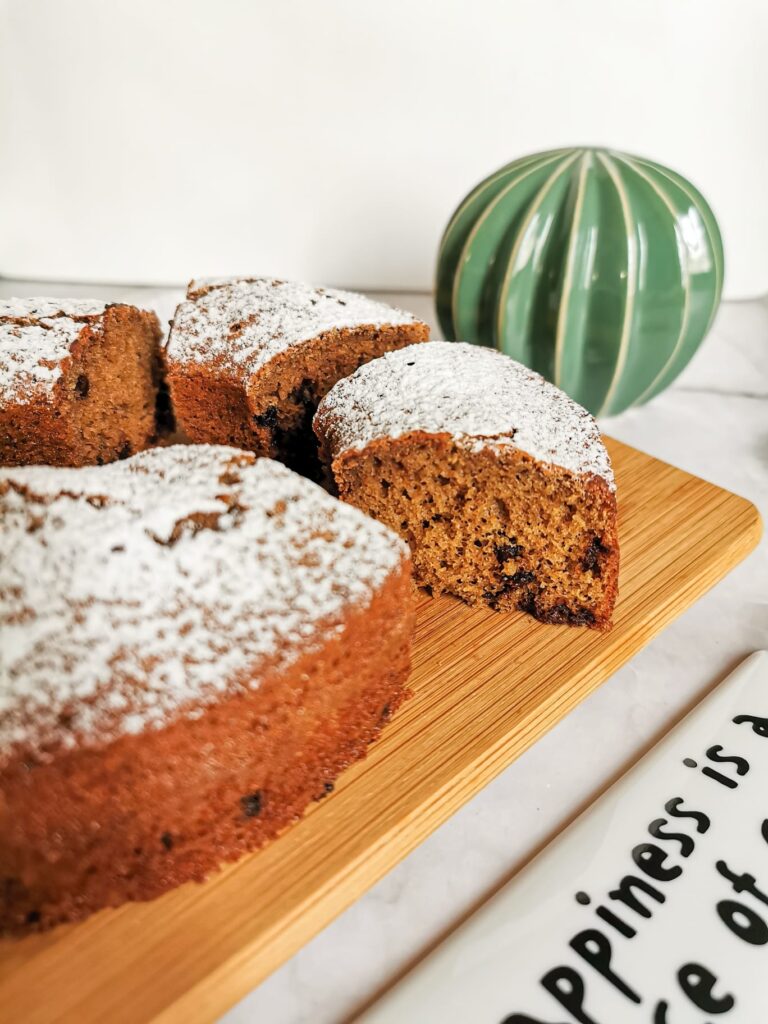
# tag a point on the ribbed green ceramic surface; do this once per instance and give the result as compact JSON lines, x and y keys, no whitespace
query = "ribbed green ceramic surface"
{"x":600,"y":270}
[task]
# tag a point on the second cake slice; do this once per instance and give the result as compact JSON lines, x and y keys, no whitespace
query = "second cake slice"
{"x":248,"y":359}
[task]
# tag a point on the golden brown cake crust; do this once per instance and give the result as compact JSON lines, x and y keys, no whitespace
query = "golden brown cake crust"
{"x":96,"y":827}
{"x":78,"y":381}
{"x":248,"y":360}
{"x":201,"y":641}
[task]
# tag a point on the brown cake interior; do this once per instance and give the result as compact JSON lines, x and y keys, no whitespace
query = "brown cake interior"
{"x":272,"y":414}
{"x":127,"y":821}
{"x":104,"y":405}
{"x":113,"y":387}
{"x":492,"y":525}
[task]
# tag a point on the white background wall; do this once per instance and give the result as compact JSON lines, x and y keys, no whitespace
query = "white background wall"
{"x":150,"y":140}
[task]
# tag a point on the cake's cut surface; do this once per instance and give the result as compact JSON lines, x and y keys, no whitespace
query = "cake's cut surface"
{"x":78,"y":381}
{"x":194,"y":643}
{"x":499,"y":482}
{"x":248,"y":359}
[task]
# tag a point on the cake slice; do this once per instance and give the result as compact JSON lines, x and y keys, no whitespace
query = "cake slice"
{"x":248,"y":359}
{"x":194,"y":644}
{"x":78,"y":381}
{"x":498,"y":481}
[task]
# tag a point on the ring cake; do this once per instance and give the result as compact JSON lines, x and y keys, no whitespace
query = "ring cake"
{"x":195,"y":643}
{"x":78,"y":381}
{"x":248,"y":359}
{"x":498,"y":481}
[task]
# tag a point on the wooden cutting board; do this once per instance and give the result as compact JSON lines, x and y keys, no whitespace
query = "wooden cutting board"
{"x":486,"y":686}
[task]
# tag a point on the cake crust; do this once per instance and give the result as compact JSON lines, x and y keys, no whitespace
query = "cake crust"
{"x":98,"y":826}
{"x":195,"y":644}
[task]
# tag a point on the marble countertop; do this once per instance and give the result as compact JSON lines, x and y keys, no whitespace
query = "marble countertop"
{"x":713,"y":422}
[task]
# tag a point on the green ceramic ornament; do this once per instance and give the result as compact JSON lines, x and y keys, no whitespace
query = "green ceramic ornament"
{"x":600,"y":270}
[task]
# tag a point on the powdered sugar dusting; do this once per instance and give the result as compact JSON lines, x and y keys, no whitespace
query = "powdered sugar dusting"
{"x":242,"y":323}
{"x":36,"y":336}
{"x":138,"y":591}
{"x":479,"y":396}
{"x":44,"y":309}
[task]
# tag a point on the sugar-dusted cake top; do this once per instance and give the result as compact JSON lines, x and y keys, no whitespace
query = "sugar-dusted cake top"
{"x":242,"y":323}
{"x":477,"y":395}
{"x":36,"y":336}
{"x":145,"y":589}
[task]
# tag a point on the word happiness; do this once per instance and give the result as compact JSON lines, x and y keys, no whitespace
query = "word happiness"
{"x":637,"y":895}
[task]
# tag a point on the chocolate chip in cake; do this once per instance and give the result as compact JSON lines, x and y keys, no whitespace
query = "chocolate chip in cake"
{"x":527,"y":603}
{"x":582,"y":617}
{"x":82,"y":386}
{"x":508,"y":550}
{"x":33,"y":917}
{"x":519,"y":579}
{"x":167,"y":840}
{"x":267,"y":419}
{"x":251,"y":804}
{"x":591,"y":560}
{"x":125,"y":451}
{"x":327,"y":788}
{"x":562,"y":615}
